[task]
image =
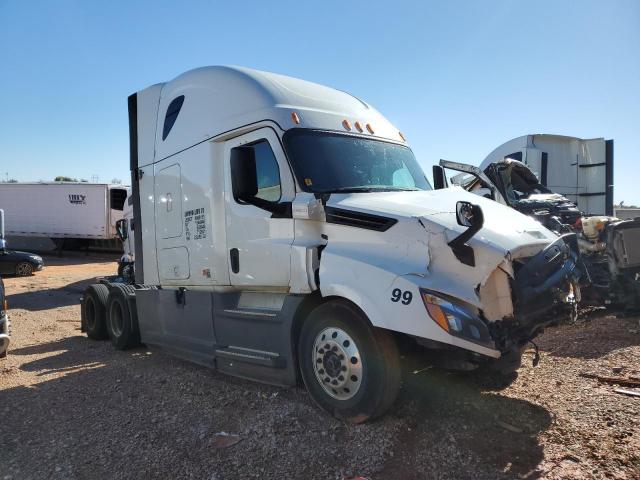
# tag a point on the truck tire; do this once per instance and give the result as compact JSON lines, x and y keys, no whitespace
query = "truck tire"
{"x":349,"y":368}
{"x":93,"y":311}
{"x":502,"y":372}
{"x":122,"y":322}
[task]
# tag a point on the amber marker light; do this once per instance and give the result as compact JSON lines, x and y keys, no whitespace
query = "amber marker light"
{"x":402,"y":137}
{"x":435,"y":311}
{"x":370,"y":128}
{"x":346,"y":124}
{"x":295,"y":117}
{"x":359,"y":127}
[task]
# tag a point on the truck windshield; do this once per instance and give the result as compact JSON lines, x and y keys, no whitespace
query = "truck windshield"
{"x":326,"y":162}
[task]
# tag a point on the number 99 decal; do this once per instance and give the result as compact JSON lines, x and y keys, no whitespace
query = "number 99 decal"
{"x":398,"y":295}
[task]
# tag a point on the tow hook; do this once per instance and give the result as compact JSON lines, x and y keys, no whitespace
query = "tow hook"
{"x":536,"y":356}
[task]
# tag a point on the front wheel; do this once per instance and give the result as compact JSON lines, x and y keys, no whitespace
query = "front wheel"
{"x":350,"y":369}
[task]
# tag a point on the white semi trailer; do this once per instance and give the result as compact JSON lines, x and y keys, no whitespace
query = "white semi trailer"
{"x":65,"y":212}
{"x":284,"y":227}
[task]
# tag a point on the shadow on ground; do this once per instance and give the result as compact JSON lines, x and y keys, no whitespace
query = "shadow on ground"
{"x":452,"y":416}
{"x":140,"y":414}
{"x":46,"y":299}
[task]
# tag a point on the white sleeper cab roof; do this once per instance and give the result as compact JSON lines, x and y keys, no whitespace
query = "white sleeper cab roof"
{"x":215,"y":100}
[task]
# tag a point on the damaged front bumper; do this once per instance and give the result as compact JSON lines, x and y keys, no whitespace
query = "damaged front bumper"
{"x":544,"y":291}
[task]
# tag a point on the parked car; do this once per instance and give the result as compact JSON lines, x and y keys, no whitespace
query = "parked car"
{"x":4,"y":322}
{"x":22,"y":264}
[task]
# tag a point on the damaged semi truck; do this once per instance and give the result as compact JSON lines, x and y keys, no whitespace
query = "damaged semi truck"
{"x":284,"y":231}
{"x":566,"y":183}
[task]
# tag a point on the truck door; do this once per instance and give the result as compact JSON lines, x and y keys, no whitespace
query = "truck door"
{"x":470,"y":178}
{"x":258,"y":241}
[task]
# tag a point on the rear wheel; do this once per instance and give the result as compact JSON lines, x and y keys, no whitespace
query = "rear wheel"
{"x":350,"y":369}
{"x":93,"y":311}
{"x":122,"y":321}
{"x":24,"y":269}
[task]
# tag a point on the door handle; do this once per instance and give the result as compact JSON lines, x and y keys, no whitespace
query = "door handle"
{"x":169,"y":202}
{"x":234,"y":259}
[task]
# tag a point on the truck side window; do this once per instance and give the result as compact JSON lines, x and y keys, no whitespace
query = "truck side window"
{"x":172,"y":114}
{"x":267,"y":171}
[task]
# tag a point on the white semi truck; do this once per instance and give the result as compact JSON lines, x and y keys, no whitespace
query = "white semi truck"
{"x":283,"y":228}
{"x":67,"y":213}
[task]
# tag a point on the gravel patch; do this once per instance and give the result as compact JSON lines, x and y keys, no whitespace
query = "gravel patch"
{"x":75,"y":408}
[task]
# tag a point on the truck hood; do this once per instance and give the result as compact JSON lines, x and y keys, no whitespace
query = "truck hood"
{"x":505,"y":230}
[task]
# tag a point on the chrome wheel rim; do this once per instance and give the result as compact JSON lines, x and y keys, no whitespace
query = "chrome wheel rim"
{"x":24,"y":269}
{"x":116,"y":318}
{"x":337,"y":363}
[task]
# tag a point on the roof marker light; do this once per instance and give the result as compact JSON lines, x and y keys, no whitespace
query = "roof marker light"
{"x":402,"y":137}
{"x":370,"y":128}
{"x":346,"y":124}
{"x":359,"y":127}
{"x":295,"y":117}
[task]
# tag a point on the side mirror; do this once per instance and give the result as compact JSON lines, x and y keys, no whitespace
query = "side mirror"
{"x":244,"y":183}
{"x":470,"y":216}
{"x":439,"y":178}
{"x":244,"y":178}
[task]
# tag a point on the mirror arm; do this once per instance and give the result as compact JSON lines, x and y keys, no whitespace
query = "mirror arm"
{"x":275,"y":208}
{"x":463,"y":252}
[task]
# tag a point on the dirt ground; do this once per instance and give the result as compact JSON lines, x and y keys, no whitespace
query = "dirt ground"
{"x":73,"y":408}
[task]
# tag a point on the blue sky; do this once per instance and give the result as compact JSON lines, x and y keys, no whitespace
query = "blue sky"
{"x":458,"y":78}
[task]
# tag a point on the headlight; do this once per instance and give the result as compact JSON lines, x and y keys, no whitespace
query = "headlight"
{"x":35,"y":257}
{"x":456,"y":319}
